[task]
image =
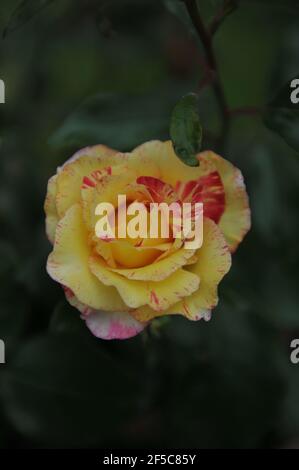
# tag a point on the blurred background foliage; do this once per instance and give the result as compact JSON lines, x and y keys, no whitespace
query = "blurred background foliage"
{"x":111,"y":72}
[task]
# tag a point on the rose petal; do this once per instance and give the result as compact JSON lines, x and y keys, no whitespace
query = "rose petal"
{"x":158,"y":295}
{"x":214,"y":261}
{"x":68,"y":264}
{"x":235,"y":220}
{"x":158,"y":270}
{"x":158,"y":159}
{"x":50,"y":209}
{"x":70,"y":176}
{"x":207,"y":189}
{"x":113,"y":325}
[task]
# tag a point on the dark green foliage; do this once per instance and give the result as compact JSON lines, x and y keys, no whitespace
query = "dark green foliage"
{"x":25,"y":10}
{"x":65,"y":389}
{"x":226,"y":383}
{"x":282,"y":116}
{"x":116,"y":120}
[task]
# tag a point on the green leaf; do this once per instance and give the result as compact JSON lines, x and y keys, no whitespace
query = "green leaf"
{"x":119,"y":121}
{"x":225,"y":8}
{"x":186,"y":130}
{"x":26,"y":10}
{"x":178,"y":9}
{"x":282,"y":116}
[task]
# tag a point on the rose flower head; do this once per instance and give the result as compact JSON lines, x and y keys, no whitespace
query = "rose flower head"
{"x":118,"y":281}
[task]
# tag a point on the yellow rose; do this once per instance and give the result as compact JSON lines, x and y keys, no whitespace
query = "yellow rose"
{"x":119,"y":285}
